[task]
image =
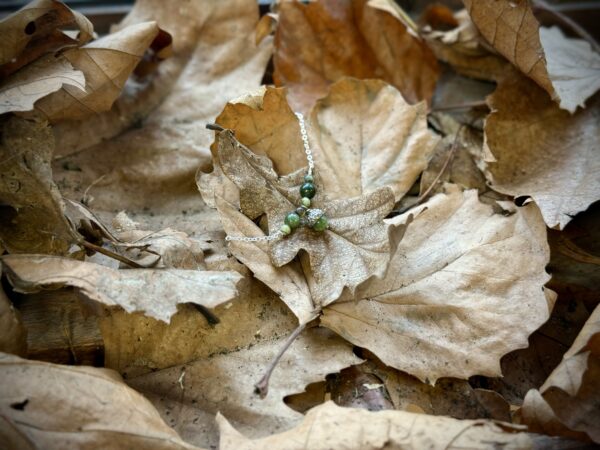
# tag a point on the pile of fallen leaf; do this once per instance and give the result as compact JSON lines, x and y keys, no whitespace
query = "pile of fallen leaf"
{"x":452,"y":303}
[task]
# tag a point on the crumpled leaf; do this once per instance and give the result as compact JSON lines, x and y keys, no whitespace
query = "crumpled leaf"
{"x":543,"y":152}
{"x":35,"y":30}
{"x":32,"y":211}
{"x":156,"y":292}
{"x":356,"y":229}
{"x":568,"y":69}
{"x":40,"y":78}
{"x":330,"y":426}
{"x":188,"y":396}
{"x":106,"y":64}
{"x":13,"y":336}
{"x":51,"y":406}
{"x":567,"y":403}
{"x":464,"y":287}
{"x":319,"y":42}
{"x":460,"y":44}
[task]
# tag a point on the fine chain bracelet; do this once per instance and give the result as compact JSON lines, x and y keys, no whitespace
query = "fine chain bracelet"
{"x":304,"y":215}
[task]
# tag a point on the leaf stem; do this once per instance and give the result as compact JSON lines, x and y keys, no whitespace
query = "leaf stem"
{"x":262,"y":387}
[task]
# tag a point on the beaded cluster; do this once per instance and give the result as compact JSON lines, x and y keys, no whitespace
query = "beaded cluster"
{"x":304,"y":215}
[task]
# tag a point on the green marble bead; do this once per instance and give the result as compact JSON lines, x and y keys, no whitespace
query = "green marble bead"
{"x":305,"y":202}
{"x":285,"y":229}
{"x":292,"y":220}
{"x":321,"y":224}
{"x":309,"y":178}
{"x":308,"y":190}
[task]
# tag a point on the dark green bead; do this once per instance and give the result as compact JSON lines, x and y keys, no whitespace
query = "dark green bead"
{"x":308,"y":190}
{"x":321,"y":224}
{"x":292,"y":220}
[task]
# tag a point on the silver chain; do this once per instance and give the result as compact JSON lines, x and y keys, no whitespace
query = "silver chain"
{"x":311,"y":165}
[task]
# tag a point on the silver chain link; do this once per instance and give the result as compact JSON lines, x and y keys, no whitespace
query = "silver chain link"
{"x":311,"y":165}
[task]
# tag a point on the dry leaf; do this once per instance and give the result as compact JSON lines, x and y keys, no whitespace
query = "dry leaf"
{"x":13,"y":336}
{"x":567,"y":403}
{"x":51,"y":406}
{"x":568,"y":69}
{"x":356,"y":230}
{"x":188,"y":396}
{"x":318,"y":43}
{"x":330,"y":426}
{"x":455,"y":40}
{"x":464,"y":287}
{"x":106,"y":64}
{"x":40,"y":78}
{"x":156,"y":292}
{"x":541,"y":151}
{"x":35,"y":30}
{"x":32,"y":218}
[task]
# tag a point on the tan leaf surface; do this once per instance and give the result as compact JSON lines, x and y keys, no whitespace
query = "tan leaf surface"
{"x":567,"y":403}
{"x":38,"y":79}
{"x":318,"y":43}
{"x":156,"y":292}
{"x":330,"y":426}
{"x":568,"y":69}
{"x":541,"y":151}
{"x":106,"y":64}
{"x":32,"y":213}
{"x":356,"y":229}
{"x":188,"y":396}
{"x":443,"y":309}
{"x":13,"y":336}
{"x":35,"y":30}
{"x":54,"y":407}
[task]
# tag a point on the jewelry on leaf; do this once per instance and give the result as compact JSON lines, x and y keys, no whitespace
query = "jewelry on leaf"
{"x":303,"y":215}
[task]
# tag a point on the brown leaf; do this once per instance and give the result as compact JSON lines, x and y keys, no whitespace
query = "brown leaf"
{"x":542,"y":151}
{"x":330,"y":426}
{"x":39,"y":79}
{"x":188,"y":396}
{"x":318,"y":43}
{"x":35,"y":30}
{"x":464,"y":287}
{"x":32,"y":218}
{"x":155,"y":292}
{"x":13,"y":336}
{"x":52,"y":406}
{"x":568,"y":69}
{"x":567,"y":403}
{"x":106,"y":64}
{"x":356,"y":230}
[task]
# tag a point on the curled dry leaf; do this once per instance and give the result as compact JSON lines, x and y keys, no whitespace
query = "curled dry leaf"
{"x":106,"y":64}
{"x":156,"y":292}
{"x":319,"y":42}
{"x":464,"y":287}
{"x":567,"y":403}
{"x":543,"y":152}
{"x":36,"y":29}
{"x":53,"y":406}
{"x":39,"y":79}
{"x":330,"y":426}
{"x":568,"y":69}
{"x":32,"y":211}
{"x":189,"y":396}
{"x":460,"y":44}
{"x":13,"y":336}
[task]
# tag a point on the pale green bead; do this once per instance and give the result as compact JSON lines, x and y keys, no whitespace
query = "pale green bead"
{"x":285,"y":229}
{"x":305,"y":202}
{"x":308,"y":178}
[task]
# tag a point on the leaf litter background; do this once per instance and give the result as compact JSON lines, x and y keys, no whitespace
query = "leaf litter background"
{"x":457,"y":287}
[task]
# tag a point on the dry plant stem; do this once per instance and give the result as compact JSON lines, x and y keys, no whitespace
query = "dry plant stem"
{"x":467,"y":105}
{"x":568,"y":22}
{"x":262,"y":387}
